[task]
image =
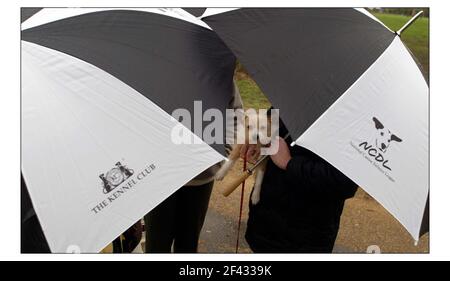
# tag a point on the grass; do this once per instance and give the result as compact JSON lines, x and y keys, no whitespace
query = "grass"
{"x":416,"y":37}
{"x":252,"y":97}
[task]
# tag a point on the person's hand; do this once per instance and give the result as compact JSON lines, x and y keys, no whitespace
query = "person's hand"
{"x":250,"y":152}
{"x":283,"y":155}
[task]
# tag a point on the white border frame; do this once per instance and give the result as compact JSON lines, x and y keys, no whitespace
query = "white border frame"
{"x":439,"y":133}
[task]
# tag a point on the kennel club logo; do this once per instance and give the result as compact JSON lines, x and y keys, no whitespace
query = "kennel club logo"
{"x":119,"y":180}
{"x":115,"y":177}
{"x":376,"y":149}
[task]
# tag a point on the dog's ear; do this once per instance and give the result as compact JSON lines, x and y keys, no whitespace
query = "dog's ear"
{"x":395,"y":138}
{"x":378,"y":124}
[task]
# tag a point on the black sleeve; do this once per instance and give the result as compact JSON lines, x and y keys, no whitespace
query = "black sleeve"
{"x":320,"y":176}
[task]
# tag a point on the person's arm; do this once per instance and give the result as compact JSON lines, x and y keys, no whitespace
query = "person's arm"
{"x":321,"y":176}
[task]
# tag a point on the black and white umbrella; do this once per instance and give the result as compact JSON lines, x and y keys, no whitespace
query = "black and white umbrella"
{"x":98,"y":88}
{"x":347,"y":89}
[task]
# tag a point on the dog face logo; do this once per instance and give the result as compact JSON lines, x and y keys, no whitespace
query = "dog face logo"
{"x":115,"y":177}
{"x":384,"y":136}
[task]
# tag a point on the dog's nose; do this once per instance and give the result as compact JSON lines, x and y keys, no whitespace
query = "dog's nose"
{"x":383,"y":146}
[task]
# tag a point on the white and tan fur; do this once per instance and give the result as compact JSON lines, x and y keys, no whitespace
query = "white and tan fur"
{"x":250,"y":133}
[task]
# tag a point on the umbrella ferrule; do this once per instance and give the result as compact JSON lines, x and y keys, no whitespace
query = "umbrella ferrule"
{"x":409,"y":23}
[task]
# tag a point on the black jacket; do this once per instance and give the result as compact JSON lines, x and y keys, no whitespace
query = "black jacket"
{"x":300,"y":208}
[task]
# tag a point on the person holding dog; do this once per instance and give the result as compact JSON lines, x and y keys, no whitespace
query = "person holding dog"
{"x":301,"y":201}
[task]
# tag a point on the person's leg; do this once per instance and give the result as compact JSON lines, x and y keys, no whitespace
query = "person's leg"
{"x":32,"y":237}
{"x":191,"y":211}
{"x":160,"y":226}
{"x":132,"y":237}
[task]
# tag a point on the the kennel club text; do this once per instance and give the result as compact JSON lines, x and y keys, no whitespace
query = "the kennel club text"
{"x":123,"y":188}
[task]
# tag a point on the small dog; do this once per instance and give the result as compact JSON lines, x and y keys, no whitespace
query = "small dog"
{"x":384,"y":136}
{"x":251,"y":133}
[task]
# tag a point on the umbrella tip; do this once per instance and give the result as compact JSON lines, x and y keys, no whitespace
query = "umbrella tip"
{"x":409,"y":23}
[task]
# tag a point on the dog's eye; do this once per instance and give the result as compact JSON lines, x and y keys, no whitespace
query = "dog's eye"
{"x":382,"y":133}
{"x":389,"y":140}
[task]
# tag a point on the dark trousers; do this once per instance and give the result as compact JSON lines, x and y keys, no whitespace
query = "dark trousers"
{"x":178,"y":220}
{"x":32,"y":239}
